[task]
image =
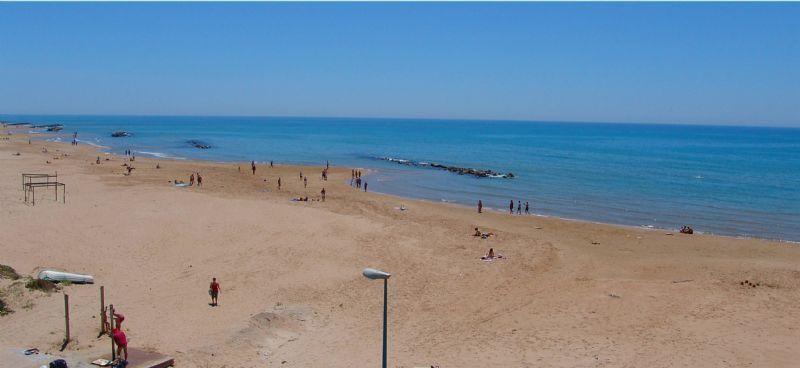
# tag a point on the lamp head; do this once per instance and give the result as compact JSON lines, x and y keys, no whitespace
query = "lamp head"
{"x":374,"y":274}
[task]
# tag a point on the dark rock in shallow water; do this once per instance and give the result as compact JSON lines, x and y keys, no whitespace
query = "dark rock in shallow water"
{"x":55,"y":128}
{"x":198,"y":144}
{"x":120,"y":133}
{"x":48,"y":126}
{"x":453,"y":169}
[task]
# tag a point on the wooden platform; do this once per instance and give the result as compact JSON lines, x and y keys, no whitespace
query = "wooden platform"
{"x":145,"y":359}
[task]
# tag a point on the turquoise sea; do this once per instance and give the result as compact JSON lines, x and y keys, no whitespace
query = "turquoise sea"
{"x":739,"y":181}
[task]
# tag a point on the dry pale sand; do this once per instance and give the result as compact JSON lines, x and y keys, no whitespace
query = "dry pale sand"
{"x":293,"y":295}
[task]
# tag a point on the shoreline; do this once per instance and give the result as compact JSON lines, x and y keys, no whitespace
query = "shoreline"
{"x":154,"y":156}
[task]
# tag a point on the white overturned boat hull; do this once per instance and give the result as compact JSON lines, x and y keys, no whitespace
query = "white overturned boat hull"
{"x":51,"y":275}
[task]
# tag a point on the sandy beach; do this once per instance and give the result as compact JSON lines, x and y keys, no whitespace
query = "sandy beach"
{"x":567,"y":293}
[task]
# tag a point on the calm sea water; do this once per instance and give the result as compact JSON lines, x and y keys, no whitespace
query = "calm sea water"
{"x":741,"y":181}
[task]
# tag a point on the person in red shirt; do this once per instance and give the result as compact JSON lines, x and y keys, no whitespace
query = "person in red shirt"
{"x":213,"y":290}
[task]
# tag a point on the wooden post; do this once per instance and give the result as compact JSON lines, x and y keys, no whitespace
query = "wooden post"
{"x":102,"y":310}
{"x":66,"y":320}
{"x":111,"y":324}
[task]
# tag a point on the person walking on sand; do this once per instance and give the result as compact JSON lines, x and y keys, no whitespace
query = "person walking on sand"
{"x":305,"y":182}
{"x":199,"y":180}
{"x":527,"y":208}
{"x":253,"y":166}
{"x":480,"y":206}
{"x":511,"y":207}
{"x":213,"y":290}
{"x":322,"y":192}
{"x":270,"y":163}
{"x":519,"y":207}
{"x":279,"y":183}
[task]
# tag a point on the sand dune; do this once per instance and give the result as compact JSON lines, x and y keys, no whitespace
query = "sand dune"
{"x":569,"y":293}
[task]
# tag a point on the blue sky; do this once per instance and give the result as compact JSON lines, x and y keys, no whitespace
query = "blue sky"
{"x":706,"y":63}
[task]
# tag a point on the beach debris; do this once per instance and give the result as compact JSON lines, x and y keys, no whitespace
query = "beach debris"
{"x":453,"y":169}
{"x":595,"y":243}
{"x":614,"y":296}
{"x":120,"y":134}
{"x":198,"y":144}
{"x":747,"y":283}
{"x":60,"y":276}
{"x":681,"y":281}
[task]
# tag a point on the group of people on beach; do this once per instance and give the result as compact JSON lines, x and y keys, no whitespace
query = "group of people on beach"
{"x":527,"y":207}
{"x":355,"y":179}
{"x":199,"y":179}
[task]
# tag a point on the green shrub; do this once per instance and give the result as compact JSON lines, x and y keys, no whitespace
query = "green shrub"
{"x":4,"y":308}
{"x":41,"y":285}
{"x":8,"y":272}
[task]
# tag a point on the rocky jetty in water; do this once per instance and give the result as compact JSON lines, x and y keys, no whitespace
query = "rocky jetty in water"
{"x":453,"y":169}
{"x":121,"y":133}
{"x":198,"y":144}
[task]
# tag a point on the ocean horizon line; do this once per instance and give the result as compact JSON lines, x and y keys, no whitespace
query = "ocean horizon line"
{"x":790,"y":126}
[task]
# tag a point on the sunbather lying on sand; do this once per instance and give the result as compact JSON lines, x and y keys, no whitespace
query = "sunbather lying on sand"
{"x":300,"y":199}
{"x":490,"y":256}
{"x":482,"y":235}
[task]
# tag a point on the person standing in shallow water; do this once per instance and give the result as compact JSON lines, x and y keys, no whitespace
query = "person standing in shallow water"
{"x":253,"y":166}
{"x":365,"y":187}
{"x":519,"y":207}
{"x":480,"y":206}
{"x":527,"y":209}
{"x":511,"y":207}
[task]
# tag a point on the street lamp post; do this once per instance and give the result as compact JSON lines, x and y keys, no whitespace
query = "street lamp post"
{"x":374,"y":274}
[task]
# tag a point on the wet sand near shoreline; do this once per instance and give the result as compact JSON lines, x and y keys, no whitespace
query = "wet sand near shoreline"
{"x":568,"y":293}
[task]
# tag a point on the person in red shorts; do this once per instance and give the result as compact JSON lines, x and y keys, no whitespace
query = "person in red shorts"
{"x":119,"y":336}
{"x":213,"y":290}
{"x":122,"y":342}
